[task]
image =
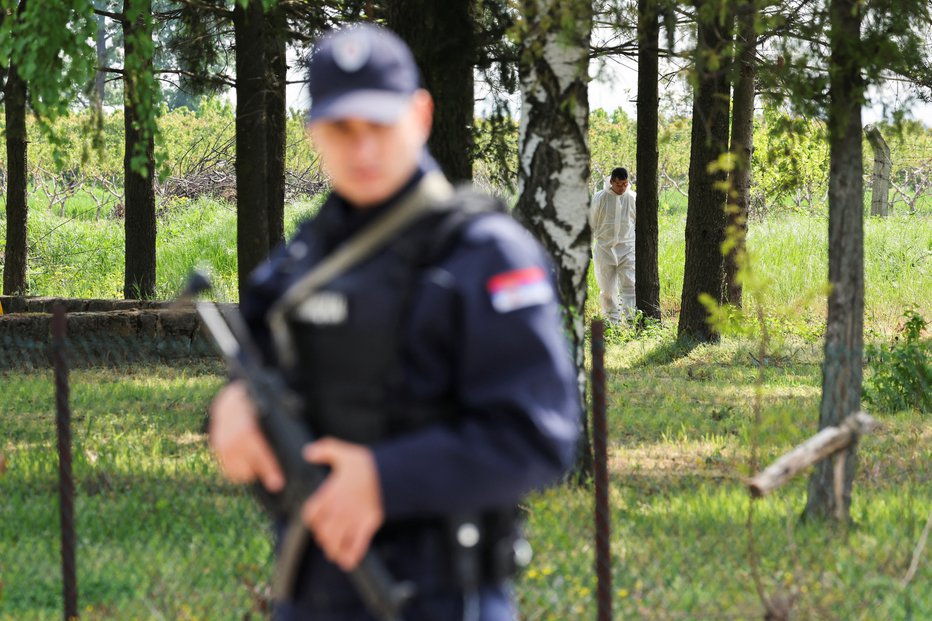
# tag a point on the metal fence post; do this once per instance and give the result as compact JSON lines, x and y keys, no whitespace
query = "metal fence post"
{"x":603,"y":559}
{"x":65,"y":476}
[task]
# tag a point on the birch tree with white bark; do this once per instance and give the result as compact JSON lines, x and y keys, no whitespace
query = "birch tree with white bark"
{"x":553,"y":172}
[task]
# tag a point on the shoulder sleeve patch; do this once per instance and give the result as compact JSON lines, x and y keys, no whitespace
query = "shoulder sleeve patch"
{"x":519,"y":288}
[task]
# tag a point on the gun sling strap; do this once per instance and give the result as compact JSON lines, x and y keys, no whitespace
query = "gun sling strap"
{"x":430,"y":193}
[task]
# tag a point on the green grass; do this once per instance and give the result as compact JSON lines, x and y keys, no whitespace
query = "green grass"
{"x":80,"y":255}
{"x":681,"y":428}
{"x":161,"y":536}
{"x":790,"y":252}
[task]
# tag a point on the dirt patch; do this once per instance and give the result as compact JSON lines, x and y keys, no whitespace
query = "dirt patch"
{"x":702,"y":459}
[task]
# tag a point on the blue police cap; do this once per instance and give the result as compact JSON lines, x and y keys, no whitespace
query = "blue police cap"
{"x":362,"y":71}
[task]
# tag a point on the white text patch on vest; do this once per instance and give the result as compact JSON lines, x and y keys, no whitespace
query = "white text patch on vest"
{"x":326,"y":308}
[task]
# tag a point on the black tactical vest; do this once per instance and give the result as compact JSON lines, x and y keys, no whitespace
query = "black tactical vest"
{"x":347,"y":335}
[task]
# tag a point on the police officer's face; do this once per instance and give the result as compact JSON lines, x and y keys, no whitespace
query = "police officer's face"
{"x":368,"y":162}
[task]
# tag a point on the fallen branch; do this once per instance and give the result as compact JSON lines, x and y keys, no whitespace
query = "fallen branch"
{"x":825,"y":443}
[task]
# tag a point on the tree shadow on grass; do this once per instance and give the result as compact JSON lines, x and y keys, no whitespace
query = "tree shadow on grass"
{"x":668,"y":352}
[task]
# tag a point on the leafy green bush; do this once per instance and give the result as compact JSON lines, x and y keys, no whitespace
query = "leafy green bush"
{"x":901,"y":372}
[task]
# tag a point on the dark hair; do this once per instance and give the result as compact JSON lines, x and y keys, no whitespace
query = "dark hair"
{"x":620,"y":173}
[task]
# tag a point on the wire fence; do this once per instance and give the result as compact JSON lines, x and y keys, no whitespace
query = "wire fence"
{"x":664,"y":530}
{"x":114,"y":507}
{"x":157,"y":533}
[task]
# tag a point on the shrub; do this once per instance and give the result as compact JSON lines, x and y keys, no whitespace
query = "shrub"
{"x":901,"y":372}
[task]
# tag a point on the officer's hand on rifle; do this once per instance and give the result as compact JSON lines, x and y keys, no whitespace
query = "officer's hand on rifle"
{"x":241,"y":449}
{"x":346,"y":511}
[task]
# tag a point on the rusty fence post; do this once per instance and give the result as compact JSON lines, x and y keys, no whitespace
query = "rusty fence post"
{"x":65,"y":475}
{"x":603,"y":533}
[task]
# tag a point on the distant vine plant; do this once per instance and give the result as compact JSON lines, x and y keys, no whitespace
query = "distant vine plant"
{"x":49,"y":44}
{"x":730,"y":320}
{"x":141,"y":89}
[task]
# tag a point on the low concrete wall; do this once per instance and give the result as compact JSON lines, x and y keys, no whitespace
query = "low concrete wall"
{"x":35,"y":304}
{"x":106,"y":338}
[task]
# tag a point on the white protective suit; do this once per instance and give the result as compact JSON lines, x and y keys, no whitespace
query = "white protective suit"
{"x":611,"y":217}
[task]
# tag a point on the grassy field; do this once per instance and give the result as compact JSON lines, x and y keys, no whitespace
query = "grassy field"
{"x":80,"y":255}
{"x":682,"y":427}
{"x":160,"y":536}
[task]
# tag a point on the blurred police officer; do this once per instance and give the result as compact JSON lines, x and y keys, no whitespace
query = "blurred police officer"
{"x":430,"y":355}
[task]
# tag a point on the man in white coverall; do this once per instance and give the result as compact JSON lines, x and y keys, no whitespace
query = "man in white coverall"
{"x":611,"y":217}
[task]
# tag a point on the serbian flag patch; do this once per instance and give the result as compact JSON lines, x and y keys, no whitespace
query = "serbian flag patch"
{"x":519,"y":289}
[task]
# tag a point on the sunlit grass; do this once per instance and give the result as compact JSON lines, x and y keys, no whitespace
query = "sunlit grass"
{"x":161,"y":536}
{"x":81,"y":255}
{"x":681,"y":431}
{"x":790,"y":254}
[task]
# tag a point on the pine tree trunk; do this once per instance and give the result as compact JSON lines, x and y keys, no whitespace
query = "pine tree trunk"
{"x":440,"y":34}
{"x":140,"y":225}
{"x":705,"y":217}
{"x":742,"y":140}
{"x":14,"y":271}
{"x":275,"y":110}
{"x":553,"y":173}
{"x":844,"y":331}
{"x":252,"y":202}
{"x":647,"y":274}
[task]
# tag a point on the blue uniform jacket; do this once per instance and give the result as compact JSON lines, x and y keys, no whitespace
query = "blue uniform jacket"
{"x":484,"y":325}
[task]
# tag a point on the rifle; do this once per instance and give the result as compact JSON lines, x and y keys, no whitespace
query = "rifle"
{"x":279,"y":414}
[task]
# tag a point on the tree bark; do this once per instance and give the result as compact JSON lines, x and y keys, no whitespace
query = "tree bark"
{"x":441,"y":37}
{"x":880,"y":179}
{"x":252,"y":200}
{"x":276,"y":137}
{"x":15,"y":253}
{"x":553,"y":164}
{"x":140,"y":266}
{"x":742,"y":146}
{"x":705,"y":217}
{"x":646,"y":268}
{"x":844,"y":332}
